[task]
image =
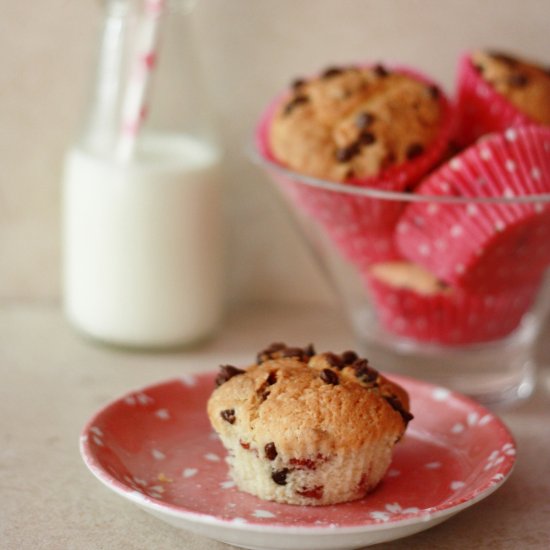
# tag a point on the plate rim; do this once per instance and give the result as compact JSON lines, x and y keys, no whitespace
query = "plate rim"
{"x":448,"y":508}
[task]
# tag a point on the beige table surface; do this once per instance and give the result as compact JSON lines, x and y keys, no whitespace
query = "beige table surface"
{"x":51,"y":381}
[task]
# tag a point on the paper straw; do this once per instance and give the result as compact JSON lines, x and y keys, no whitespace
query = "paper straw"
{"x":135,"y":101}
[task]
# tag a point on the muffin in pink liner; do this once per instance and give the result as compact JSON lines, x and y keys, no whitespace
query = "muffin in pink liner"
{"x":497,"y":91}
{"x":484,"y":246}
{"x":356,"y":127}
{"x":412,"y":303}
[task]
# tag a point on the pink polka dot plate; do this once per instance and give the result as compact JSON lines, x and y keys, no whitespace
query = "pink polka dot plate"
{"x":155,"y":447}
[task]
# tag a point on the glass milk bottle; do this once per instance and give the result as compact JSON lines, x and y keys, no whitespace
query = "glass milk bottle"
{"x":142,"y":221}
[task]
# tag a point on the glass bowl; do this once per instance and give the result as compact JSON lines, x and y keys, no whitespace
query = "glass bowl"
{"x":448,"y":288}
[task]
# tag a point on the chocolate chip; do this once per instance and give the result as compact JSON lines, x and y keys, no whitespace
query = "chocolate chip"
{"x":380,"y":70}
{"x":333,"y":360}
{"x":397,"y":406}
{"x":345,"y":154}
{"x":272,"y":378}
{"x":330,"y":377}
{"x":226,"y":373}
{"x":434,"y":92}
{"x":414,"y":150}
{"x":366,"y":138}
{"x":270,"y":451}
{"x":294,"y":102}
{"x":349,"y":174}
{"x":364,"y":372}
{"x":331,"y":72}
{"x":279,"y":476}
{"x":228,"y":415}
{"x":297,"y":83}
{"x":278,"y":350}
{"x":269,"y":352}
{"x":442,"y":285}
{"x":298,"y":353}
{"x":364,"y":120}
{"x":505,"y":58}
{"x":348,"y":357}
{"x":518,"y":80}
{"x":478,"y":68}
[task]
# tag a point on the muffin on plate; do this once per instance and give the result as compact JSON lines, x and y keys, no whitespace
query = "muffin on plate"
{"x":307,"y":428}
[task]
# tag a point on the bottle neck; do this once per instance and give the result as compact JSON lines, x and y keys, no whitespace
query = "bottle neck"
{"x":148,"y":79}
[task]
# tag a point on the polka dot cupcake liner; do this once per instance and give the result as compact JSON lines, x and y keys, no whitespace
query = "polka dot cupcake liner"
{"x":480,"y":108}
{"x":479,"y":245}
{"x":453,"y":316}
{"x":361,"y":227}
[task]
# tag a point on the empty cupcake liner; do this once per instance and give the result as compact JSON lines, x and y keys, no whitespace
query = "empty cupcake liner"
{"x":360,"y":227}
{"x":481,"y":109}
{"x":453,"y":316}
{"x":484,"y":245}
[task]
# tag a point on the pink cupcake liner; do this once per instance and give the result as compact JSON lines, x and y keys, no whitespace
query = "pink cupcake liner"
{"x":481,"y":109}
{"x":360,"y":227}
{"x":481,"y":245}
{"x":454,"y":317}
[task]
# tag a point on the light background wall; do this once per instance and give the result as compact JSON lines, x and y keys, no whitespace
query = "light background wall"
{"x":250,"y":49}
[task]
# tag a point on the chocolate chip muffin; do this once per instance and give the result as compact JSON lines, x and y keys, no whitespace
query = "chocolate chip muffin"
{"x":354,"y":123}
{"x":525,"y":84}
{"x":307,"y":428}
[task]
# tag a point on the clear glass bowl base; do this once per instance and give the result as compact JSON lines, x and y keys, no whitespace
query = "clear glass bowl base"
{"x":497,"y":374}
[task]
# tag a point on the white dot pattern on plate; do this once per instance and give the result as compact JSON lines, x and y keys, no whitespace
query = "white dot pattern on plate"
{"x":138,"y":399}
{"x":163,"y":414}
{"x":158,"y":455}
{"x":190,"y":482}
{"x":455,"y":485}
{"x":441,"y":394}
{"x":393,"y":509}
{"x":212,"y":457}
{"x":188,"y":380}
{"x":263,"y":514}
{"x":457,"y":428}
